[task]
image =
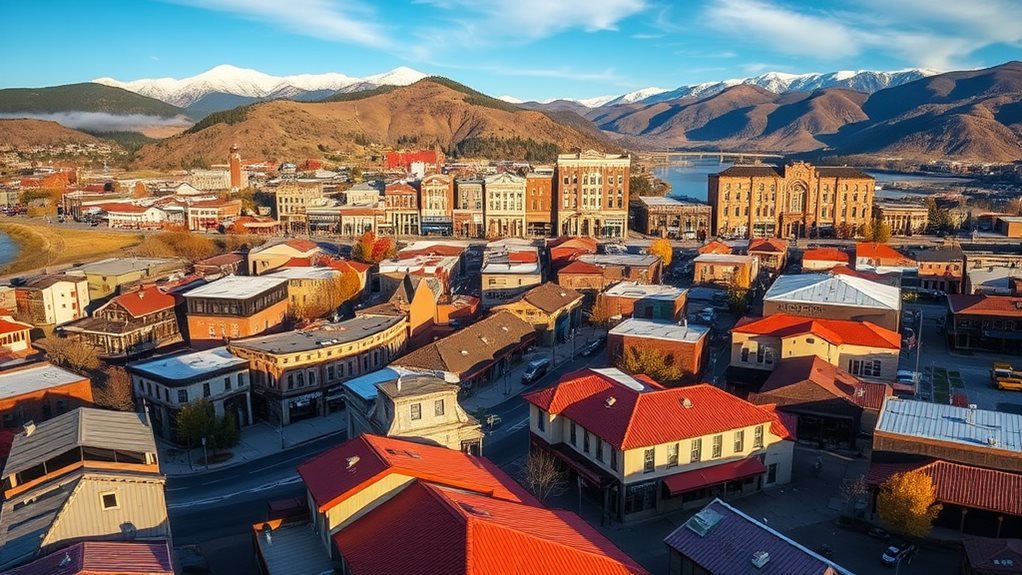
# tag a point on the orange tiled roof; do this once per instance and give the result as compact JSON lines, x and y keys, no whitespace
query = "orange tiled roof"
{"x":825,"y":255}
{"x":836,"y":331}
{"x":768,"y":245}
{"x":715,"y":247}
{"x":580,"y":267}
{"x":962,"y":485}
{"x":979,"y":304}
{"x":145,"y":301}
{"x":882,"y":252}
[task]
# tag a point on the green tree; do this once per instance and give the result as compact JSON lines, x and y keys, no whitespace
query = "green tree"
{"x":737,"y":297}
{"x":938,"y":218}
{"x":195,"y":421}
{"x":639,"y":185}
{"x":908,"y":503}
{"x":646,"y":360}
{"x":881,"y":232}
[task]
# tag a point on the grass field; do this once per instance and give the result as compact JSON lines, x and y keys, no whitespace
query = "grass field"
{"x":43,"y":245}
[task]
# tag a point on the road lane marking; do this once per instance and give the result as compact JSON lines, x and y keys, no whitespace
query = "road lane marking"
{"x":291,"y":480}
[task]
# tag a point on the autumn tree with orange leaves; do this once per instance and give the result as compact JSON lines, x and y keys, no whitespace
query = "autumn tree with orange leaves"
{"x":372,"y":249}
{"x":908,"y":503}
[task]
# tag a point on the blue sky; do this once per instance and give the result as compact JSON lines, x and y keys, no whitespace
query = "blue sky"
{"x":531,"y":49}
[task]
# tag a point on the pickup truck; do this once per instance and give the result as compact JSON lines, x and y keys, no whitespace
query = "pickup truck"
{"x":1003,"y":376}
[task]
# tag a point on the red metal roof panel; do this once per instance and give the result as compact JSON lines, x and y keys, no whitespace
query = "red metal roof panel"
{"x":731,"y":471}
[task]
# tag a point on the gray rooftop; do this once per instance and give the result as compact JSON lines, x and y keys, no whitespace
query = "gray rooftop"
{"x":305,"y":273}
{"x":664,"y":201}
{"x":323,"y":336}
{"x":121,"y":266}
{"x":412,"y":385}
{"x":237,"y":287}
{"x":834,"y":289}
{"x":635,"y":290}
{"x":34,"y":378}
{"x":995,"y":430}
{"x":294,"y":549}
{"x":83,"y":427}
{"x":187,"y":366}
{"x":727,"y":259}
{"x":655,"y":329}
{"x":364,"y":386}
{"x":619,"y":259}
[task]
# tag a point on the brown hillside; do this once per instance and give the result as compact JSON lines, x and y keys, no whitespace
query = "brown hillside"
{"x":426,"y":113}
{"x":27,"y":133}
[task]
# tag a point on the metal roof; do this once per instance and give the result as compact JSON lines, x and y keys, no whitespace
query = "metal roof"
{"x":835,"y":289}
{"x":619,"y":259}
{"x":324,"y":336}
{"x":994,"y":430}
{"x":668,"y":330}
{"x":186,"y":366}
{"x":364,"y":386}
{"x":237,"y":287}
{"x":294,"y":549}
{"x":635,"y":290}
{"x":723,"y":259}
{"x":83,"y":427}
{"x":34,"y":378}
{"x":121,"y":266}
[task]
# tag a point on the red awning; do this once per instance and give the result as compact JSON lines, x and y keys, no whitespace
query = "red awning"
{"x":689,"y":480}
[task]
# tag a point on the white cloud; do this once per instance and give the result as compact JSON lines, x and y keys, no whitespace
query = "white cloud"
{"x":102,"y":121}
{"x":783,"y":30}
{"x":337,"y":21}
{"x":607,"y":76}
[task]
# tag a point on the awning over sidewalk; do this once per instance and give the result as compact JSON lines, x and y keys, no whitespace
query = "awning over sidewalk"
{"x":576,"y":462}
{"x":733,"y":471}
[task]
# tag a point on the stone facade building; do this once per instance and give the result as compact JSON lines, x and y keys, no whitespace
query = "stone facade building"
{"x":504,"y":212}
{"x":402,"y":202}
{"x":903,"y":219}
{"x":796,"y":200}
{"x":671,"y":218}
{"x":592,"y":194}
{"x":437,"y":205}
{"x":539,"y":207}
{"x":468,"y":209}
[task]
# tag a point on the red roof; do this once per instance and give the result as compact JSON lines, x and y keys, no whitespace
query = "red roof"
{"x":118,"y":208}
{"x":962,"y":485}
{"x":102,"y":558}
{"x":10,"y":325}
{"x":836,"y":331}
{"x":430,"y":529}
{"x":883,"y":252}
{"x":302,"y":245}
{"x":768,"y":245}
{"x":298,"y":263}
{"x":330,"y":479}
{"x":715,"y":247}
{"x":979,"y":304}
{"x":145,"y":301}
{"x":825,"y":255}
{"x":399,"y":188}
{"x":843,"y":270}
{"x":433,"y":250}
{"x":730,"y":471}
{"x":580,"y":267}
{"x":650,"y":416}
{"x":523,"y":257}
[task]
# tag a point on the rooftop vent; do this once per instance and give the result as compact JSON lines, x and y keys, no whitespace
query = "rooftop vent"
{"x":991,"y":441}
{"x":686,"y":403}
{"x":29,"y":428}
{"x":760,"y":558}
{"x":610,"y":401}
{"x":701,"y":523}
{"x":504,"y":327}
{"x":352,"y":462}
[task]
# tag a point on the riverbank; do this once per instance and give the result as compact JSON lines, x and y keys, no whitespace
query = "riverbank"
{"x":41,"y":245}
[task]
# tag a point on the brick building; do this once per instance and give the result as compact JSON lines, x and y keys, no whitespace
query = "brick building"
{"x":38,"y":392}
{"x":670,"y":218}
{"x":235,"y":307}
{"x":539,"y":192}
{"x":592,"y":194}
{"x":681,"y":345}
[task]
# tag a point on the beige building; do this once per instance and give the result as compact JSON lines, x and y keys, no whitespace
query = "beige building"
{"x":417,"y":407}
{"x":291,"y":200}
{"x":504,"y":210}
{"x":402,"y":204}
{"x":508,"y":271}
{"x":863,"y":349}
{"x":903,"y":219}
{"x":553,"y":310}
{"x":266,"y":258}
{"x":592,"y":194}
{"x":52,"y":299}
{"x":789,"y":201}
{"x":437,"y":205}
{"x":107,"y":276}
{"x":835,"y":296}
{"x":648,"y":450}
{"x":725,"y":270}
{"x":468,"y":208}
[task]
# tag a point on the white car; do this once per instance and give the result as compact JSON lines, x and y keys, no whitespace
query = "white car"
{"x":908,"y":376}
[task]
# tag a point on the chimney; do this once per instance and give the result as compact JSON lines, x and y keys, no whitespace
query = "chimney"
{"x":29,"y":428}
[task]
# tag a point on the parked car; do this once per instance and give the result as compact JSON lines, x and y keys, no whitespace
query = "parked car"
{"x":898,"y":552}
{"x":594,"y":346}
{"x":536,"y":369}
{"x":908,"y":376}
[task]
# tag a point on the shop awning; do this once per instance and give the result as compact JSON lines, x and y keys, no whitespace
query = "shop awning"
{"x":733,"y":471}
{"x":580,"y":465}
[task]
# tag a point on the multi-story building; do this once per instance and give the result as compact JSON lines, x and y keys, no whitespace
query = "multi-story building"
{"x":882,"y":259}
{"x":130,"y":216}
{"x":771,"y":254}
{"x":437,"y":205}
{"x":539,"y":198}
{"x":863,"y":349}
{"x":291,"y":200}
{"x":645,"y":449}
{"x":86,"y":474}
{"x":298,"y":374}
{"x":216,"y":180}
{"x":402,"y":203}
{"x":682,"y":345}
{"x":235,"y":307}
{"x":357,"y":220}
{"x":211,"y":215}
{"x":107,"y":276}
{"x":306,"y":285}
{"x":725,"y":270}
{"x":52,"y":299}
{"x":592,"y":194}
{"x":940,"y":270}
{"x":130,"y":324}
{"x":268,"y":257}
{"x":504,"y":210}
{"x":468,"y":208}
{"x":796,"y":200}
{"x":639,"y":268}
{"x":508,"y":271}
{"x":903,"y":219}
{"x":553,"y":310}
{"x":364,"y":194}
{"x":15,"y":336}
{"x":984,"y":322}
{"x":670,"y":218}
{"x":164,"y":385}
{"x":835,"y":296}
{"x":417,"y":407}
{"x":40,"y":391}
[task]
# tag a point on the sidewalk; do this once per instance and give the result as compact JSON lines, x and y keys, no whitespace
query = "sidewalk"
{"x":486,"y":397}
{"x":257,"y":441}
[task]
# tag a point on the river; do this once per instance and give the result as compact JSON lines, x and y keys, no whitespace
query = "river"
{"x":689,"y":180}
{"x":8,"y":249}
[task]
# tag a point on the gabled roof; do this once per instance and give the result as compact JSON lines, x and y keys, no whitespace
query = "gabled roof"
{"x":446,"y":531}
{"x":10,"y":325}
{"x":836,"y":331}
{"x":471,"y":348}
{"x":753,"y":171}
{"x":964,"y":485}
{"x":789,"y":384}
{"x":989,"y":555}
{"x":145,"y":301}
{"x":102,"y":558}
{"x":347,"y":469}
{"x":772,"y":245}
{"x":643,"y":413}
{"x":834,"y":289}
{"x":715,"y":247}
{"x":550,"y":297}
{"x":580,"y":267}
{"x":825,"y":255}
{"x":883,"y":252}
{"x":83,"y":427}
{"x":981,"y":304}
{"x":721,"y":539}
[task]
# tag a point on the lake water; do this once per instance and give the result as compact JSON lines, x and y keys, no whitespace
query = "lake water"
{"x":689,"y":179}
{"x":8,"y":249}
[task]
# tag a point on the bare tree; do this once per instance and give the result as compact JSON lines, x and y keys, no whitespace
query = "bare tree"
{"x":73,"y":354}
{"x":854,"y":492}
{"x":543,"y":476}
{"x":113,"y":390}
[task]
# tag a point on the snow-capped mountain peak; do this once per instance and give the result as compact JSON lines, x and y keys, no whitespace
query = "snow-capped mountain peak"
{"x":228,"y":79}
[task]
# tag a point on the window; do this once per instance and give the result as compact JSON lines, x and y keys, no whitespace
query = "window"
{"x":585,"y":441}
{"x":865,"y":367}
{"x":108,"y":500}
{"x":540,"y":420}
{"x":438,"y":407}
{"x":182,"y":396}
{"x":649,"y":460}
{"x":718,"y":445}
{"x":672,"y":455}
{"x":697,"y":449}
{"x":416,"y":411}
{"x":599,"y":449}
{"x":574,"y":437}
{"x":739,"y":441}
{"x":772,"y":473}
{"x":613,"y":458}
{"x":227,"y":383}
{"x":745,"y":355}
{"x":757,"y":439}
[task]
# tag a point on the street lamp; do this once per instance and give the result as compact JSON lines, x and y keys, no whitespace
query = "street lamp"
{"x":205,"y":454}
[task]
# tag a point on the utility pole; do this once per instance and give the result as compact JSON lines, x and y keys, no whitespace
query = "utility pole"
{"x":919,"y":347}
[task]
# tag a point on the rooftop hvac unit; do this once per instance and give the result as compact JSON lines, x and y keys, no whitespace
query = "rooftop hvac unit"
{"x":760,"y":558}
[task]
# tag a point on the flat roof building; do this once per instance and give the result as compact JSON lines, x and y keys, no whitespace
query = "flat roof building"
{"x":835,"y":296}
